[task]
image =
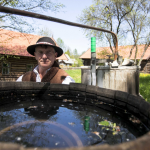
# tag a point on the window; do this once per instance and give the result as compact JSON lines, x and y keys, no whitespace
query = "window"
{"x":30,"y":67}
{"x":5,"y":68}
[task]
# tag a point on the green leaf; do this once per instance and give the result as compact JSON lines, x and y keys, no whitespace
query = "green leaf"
{"x":104,"y":123}
{"x":114,"y":133}
{"x":114,"y":125}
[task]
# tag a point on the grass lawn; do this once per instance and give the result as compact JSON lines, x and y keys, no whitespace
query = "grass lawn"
{"x":144,"y":82}
{"x":145,"y":86}
{"x":75,"y":74}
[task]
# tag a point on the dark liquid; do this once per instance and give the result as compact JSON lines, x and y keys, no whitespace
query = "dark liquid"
{"x":48,"y":125}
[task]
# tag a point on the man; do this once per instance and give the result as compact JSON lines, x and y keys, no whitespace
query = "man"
{"x":48,"y":70}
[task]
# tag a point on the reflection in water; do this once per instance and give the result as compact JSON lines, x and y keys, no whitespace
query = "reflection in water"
{"x":40,"y":133}
{"x":41,"y":112}
{"x":68,"y":126}
{"x":86,"y":123}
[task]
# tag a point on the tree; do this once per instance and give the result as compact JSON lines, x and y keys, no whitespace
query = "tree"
{"x":19,"y":23}
{"x":83,"y":52}
{"x":75,"y":53}
{"x":108,"y":15}
{"x":45,"y":32}
{"x":119,"y":16}
{"x":69,"y":52}
{"x":22,"y":24}
{"x":104,"y":54}
{"x":138,"y":21}
{"x":80,"y":62}
{"x":61,"y":44}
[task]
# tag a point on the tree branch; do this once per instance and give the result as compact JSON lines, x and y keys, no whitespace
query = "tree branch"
{"x":145,"y":49}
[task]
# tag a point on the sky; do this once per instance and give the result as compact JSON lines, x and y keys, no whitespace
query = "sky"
{"x":73,"y":37}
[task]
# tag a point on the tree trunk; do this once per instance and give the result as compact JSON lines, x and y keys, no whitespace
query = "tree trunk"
{"x":135,"y":54}
{"x":131,"y":51}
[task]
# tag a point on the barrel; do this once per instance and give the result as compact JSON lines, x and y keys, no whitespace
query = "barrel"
{"x":124,"y":78}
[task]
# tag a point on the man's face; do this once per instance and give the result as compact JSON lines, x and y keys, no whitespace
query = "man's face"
{"x":45,"y":56}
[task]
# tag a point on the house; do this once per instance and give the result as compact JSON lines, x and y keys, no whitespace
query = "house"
{"x":74,"y":61}
{"x":14,"y":58}
{"x":102,"y":52}
{"x":66,"y":63}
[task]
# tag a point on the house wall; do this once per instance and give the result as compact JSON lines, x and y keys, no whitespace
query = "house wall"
{"x":17,"y":67}
{"x":64,"y":64}
{"x":145,"y":66}
{"x":86,"y":62}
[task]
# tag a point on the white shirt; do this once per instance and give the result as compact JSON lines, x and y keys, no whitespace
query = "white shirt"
{"x":67,"y":80}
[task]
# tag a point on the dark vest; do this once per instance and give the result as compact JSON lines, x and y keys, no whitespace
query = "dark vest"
{"x":55,"y":75}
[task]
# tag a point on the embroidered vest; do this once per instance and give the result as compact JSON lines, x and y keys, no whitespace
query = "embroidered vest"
{"x":55,"y":75}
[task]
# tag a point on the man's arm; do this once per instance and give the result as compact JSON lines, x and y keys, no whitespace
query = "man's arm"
{"x":19,"y":79}
{"x":68,"y":80}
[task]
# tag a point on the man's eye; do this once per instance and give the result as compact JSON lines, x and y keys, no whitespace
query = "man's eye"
{"x":49,"y":52}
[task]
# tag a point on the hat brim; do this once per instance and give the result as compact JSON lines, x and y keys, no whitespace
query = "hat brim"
{"x":31,"y":49}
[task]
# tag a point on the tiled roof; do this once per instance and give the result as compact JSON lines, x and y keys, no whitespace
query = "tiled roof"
{"x":69,"y":61}
{"x":16,"y":43}
{"x":62,"y":57}
{"x":123,"y":51}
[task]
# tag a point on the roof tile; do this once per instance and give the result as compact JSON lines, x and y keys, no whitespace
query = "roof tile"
{"x":124,"y":51}
{"x":16,"y":43}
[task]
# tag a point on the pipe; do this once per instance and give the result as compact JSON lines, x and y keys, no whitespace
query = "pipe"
{"x":93,"y":61}
{"x":39,"y":16}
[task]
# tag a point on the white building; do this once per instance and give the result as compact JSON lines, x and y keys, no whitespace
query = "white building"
{"x":67,"y":63}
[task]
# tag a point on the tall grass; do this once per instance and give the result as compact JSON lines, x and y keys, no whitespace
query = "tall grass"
{"x":144,"y":82}
{"x":145,"y":86}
